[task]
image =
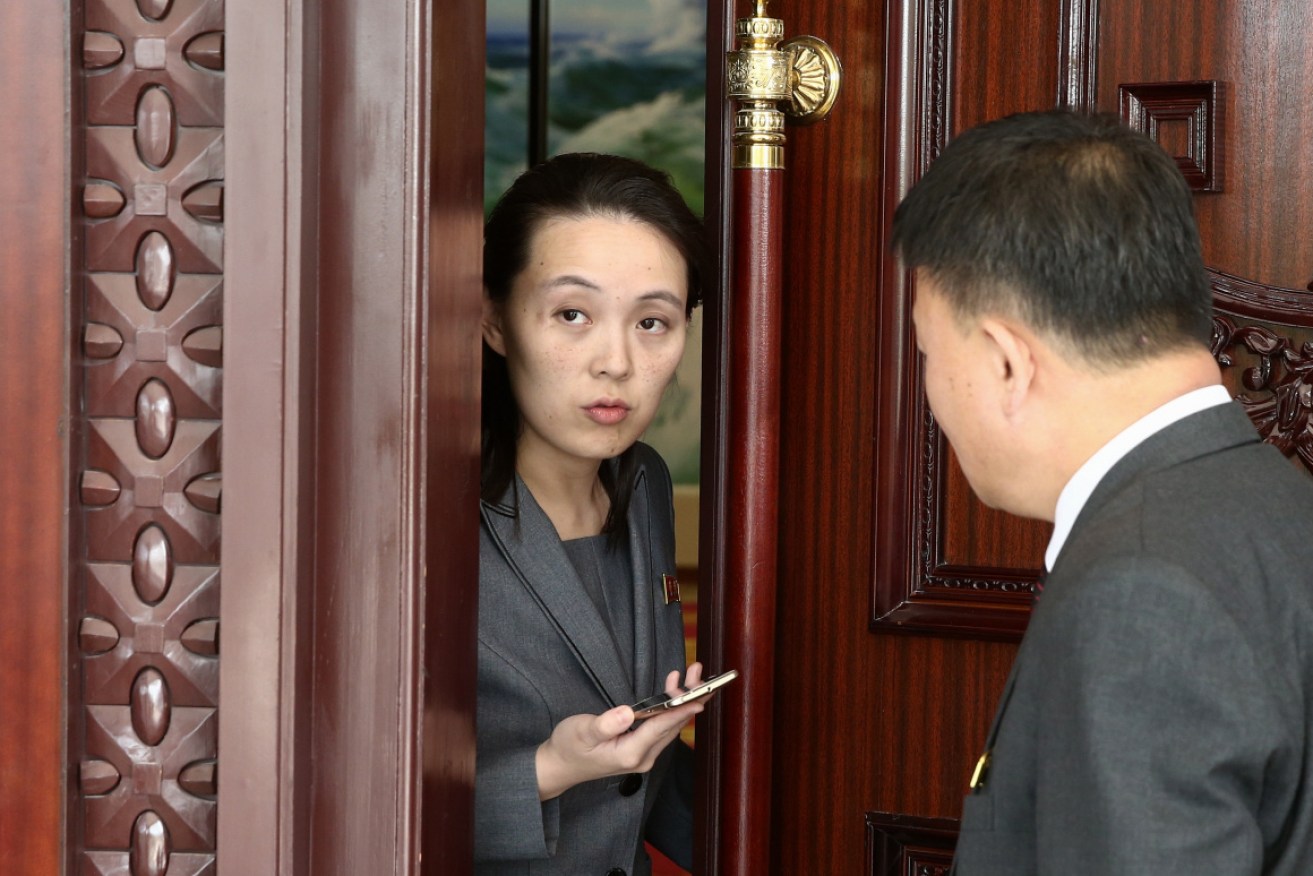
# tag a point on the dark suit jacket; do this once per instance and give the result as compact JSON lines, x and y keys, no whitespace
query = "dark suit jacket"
{"x":545,"y":653}
{"x":1158,"y":716}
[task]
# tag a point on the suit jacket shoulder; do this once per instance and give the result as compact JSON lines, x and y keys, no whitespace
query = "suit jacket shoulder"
{"x":1158,"y":712}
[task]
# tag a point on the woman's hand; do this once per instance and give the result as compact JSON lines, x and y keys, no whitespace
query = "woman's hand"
{"x":586,"y":747}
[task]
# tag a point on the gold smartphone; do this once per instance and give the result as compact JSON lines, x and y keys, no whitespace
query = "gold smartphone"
{"x":659,"y":703}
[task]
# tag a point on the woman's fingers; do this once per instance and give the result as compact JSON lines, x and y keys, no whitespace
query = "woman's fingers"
{"x":692,"y":678}
{"x":694,"y":675}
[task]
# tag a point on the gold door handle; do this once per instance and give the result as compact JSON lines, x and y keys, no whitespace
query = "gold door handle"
{"x":802,"y":73}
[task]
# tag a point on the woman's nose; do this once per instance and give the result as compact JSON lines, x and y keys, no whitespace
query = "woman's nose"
{"x":612,"y":357}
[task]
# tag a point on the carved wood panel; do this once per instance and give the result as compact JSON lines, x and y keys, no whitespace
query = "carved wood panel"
{"x":879,"y":530}
{"x":970,"y":568}
{"x":1257,"y":227}
{"x":944,"y":562}
{"x":898,"y":844}
{"x":1263,"y":339}
{"x":147,"y":587}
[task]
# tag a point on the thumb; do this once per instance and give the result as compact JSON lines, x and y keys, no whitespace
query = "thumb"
{"x":612,"y":723}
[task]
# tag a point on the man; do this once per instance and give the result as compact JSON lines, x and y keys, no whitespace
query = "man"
{"x":1158,"y":716}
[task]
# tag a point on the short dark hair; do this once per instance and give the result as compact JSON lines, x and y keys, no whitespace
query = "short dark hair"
{"x":573,"y":185}
{"x":1071,"y":221}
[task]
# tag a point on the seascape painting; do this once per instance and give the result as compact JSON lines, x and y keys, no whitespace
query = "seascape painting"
{"x":626,"y":77}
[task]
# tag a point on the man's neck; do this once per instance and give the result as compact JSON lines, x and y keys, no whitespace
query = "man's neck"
{"x":1101,"y":406}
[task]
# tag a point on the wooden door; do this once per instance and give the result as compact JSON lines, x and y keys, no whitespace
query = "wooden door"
{"x":239,"y":394}
{"x":899,"y":598}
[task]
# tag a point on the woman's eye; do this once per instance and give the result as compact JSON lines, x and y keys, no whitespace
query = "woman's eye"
{"x":572,"y":316}
{"x":652,"y":324}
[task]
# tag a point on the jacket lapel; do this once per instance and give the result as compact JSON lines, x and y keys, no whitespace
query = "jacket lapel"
{"x":641,"y":546}
{"x":534,"y":552}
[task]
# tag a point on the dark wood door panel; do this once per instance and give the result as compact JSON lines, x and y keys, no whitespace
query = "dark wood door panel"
{"x":1004,"y":59}
{"x":1256,"y":227}
{"x":877,"y":521}
{"x":866,"y":720}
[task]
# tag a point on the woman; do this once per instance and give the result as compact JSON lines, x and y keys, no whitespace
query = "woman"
{"x":591,"y":269}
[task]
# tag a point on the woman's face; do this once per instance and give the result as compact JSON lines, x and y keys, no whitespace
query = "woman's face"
{"x":592,"y":331}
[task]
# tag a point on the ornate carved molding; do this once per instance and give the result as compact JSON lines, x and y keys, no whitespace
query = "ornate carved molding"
{"x":1280,"y":384}
{"x":937,"y":77}
{"x":1247,"y":326}
{"x":150,"y":486}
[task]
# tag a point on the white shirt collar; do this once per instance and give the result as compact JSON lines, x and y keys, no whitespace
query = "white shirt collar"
{"x":1077,"y":491}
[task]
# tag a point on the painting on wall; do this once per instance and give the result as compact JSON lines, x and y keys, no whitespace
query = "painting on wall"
{"x":626,"y":77}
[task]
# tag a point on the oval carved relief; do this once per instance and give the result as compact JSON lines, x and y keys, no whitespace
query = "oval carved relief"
{"x":149,"y":855}
{"x":150,"y":706}
{"x":156,"y":126}
{"x":152,"y":564}
{"x":156,"y":270}
{"x":154,"y":9}
{"x":156,"y":418}
{"x":100,"y":50}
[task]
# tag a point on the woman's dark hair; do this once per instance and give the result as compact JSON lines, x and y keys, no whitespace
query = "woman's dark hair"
{"x":1075,"y":222}
{"x":575,"y":185}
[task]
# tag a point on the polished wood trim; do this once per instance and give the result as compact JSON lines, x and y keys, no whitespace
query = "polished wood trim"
{"x":1078,"y":57}
{"x":452,"y":309}
{"x":711,"y":724}
{"x":352,"y":396}
{"x":1241,"y":297}
{"x":35,"y":391}
{"x":371,"y":63}
{"x":751,"y":483}
{"x":908,"y":148}
{"x":264,"y":744}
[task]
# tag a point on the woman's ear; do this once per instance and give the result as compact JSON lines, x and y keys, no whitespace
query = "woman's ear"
{"x":492,"y":328}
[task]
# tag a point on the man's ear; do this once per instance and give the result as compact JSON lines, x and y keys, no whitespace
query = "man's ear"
{"x":1014,"y":357}
{"x":492,"y":328}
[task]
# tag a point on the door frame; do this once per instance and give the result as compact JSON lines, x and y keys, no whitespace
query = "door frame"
{"x":351,"y":418}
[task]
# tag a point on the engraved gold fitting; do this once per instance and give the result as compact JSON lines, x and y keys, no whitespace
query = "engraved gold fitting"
{"x":803,"y":73}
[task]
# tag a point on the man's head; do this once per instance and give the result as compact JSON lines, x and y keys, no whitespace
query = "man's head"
{"x":1073,"y":223}
{"x":1060,"y":296}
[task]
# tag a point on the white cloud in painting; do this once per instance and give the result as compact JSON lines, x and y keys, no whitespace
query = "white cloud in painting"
{"x":683,"y":23}
{"x":675,"y":121}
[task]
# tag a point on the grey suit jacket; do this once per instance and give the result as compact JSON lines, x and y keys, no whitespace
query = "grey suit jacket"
{"x":1159,"y":716}
{"x":545,"y":653}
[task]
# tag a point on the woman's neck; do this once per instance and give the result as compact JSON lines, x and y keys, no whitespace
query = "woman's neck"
{"x":573,"y":498}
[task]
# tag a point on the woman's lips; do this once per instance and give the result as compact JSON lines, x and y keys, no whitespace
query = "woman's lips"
{"x":607,"y":414}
